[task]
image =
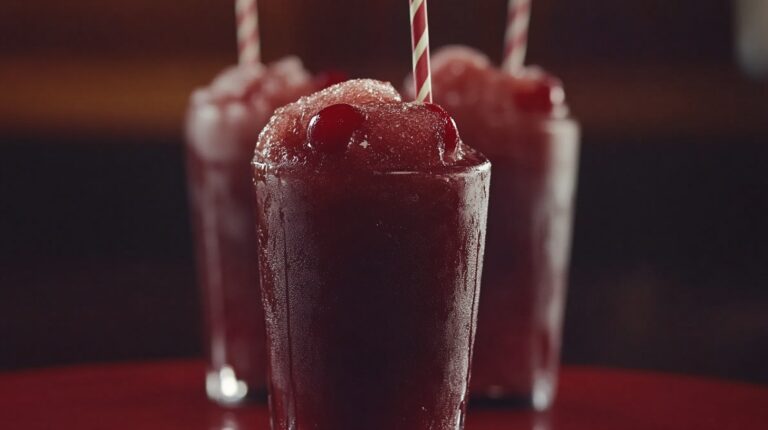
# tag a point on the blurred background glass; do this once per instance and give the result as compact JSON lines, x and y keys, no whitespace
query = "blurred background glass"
{"x":670,"y":265}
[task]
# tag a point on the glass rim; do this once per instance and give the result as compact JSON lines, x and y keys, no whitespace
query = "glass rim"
{"x":482,"y":165}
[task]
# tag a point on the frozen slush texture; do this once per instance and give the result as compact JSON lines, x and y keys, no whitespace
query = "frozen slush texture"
{"x":227,"y":116}
{"x":394,"y":136}
{"x":468,"y":81}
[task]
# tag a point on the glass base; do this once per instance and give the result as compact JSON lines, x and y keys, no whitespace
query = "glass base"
{"x":225,"y":388}
{"x":540,"y":398}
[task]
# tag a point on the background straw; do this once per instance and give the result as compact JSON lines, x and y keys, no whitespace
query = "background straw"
{"x":516,"y":40}
{"x":249,"y":43}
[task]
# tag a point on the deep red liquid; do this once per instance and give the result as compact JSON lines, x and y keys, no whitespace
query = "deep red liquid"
{"x":370,"y":285}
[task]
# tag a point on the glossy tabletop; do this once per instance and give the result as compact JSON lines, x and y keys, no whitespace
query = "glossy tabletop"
{"x":169,"y":395}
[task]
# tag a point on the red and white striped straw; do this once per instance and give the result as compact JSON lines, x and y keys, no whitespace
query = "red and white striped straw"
{"x":249,"y":43}
{"x":516,"y":40}
{"x":422,"y":74}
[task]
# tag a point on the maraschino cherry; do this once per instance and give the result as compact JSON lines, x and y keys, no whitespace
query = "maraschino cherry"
{"x":332,"y":128}
{"x":540,"y":95}
{"x":450,"y":131}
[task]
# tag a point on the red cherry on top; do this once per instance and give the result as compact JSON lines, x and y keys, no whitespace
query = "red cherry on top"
{"x":450,"y":131}
{"x":332,"y":128}
{"x":539,"y":96}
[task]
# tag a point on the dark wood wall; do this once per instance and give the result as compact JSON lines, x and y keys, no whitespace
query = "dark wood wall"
{"x":348,"y":32}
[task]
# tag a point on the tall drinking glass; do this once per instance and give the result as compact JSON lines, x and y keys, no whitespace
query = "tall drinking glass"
{"x":517,"y":353}
{"x":520,"y":122}
{"x":223,"y":125}
{"x":370,"y":284}
{"x":371,"y":228}
{"x":221,"y":197}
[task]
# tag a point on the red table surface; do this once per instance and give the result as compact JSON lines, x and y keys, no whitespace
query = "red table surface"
{"x":169,"y":395}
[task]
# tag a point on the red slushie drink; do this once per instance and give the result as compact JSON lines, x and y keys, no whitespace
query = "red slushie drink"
{"x":223,"y":124}
{"x":371,"y":232}
{"x":521,"y":123}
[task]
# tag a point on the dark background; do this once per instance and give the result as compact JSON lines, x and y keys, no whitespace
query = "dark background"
{"x":670,"y":264}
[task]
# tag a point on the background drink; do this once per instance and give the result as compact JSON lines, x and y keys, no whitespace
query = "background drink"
{"x":517,"y":352}
{"x":371,"y":260}
{"x":223,"y":124}
{"x":521,"y":124}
